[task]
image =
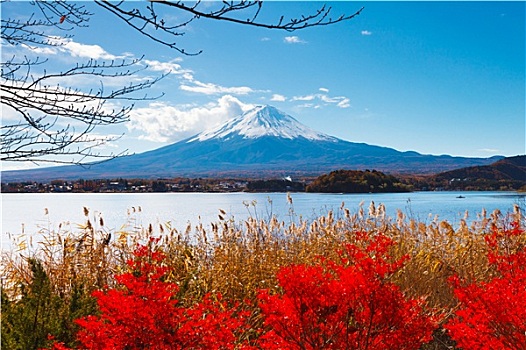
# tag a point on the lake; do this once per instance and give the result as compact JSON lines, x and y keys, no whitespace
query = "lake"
{"x":32,"y":211}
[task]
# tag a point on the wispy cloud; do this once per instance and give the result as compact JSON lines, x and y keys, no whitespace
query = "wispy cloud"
{"x":322,"y":89}
{"x":339,"y":101}
{"x":294,"y":40}
{"x":278,"y":98}
{"x":328,"y":99}
{"x":166,"y":67}
{"x":344,"y":103}
{"x":74,"y":49}
{"x":214,"y":89}
{"x":309,"y":105}
{"x":304,"y":98}
{"x":190,"y":84}
{"x":187,"y":81}
{"x":162,"y":122}
{"x":68,"y":46}
{"x":95,"y":52}
{"x":366,"y":32}
{"x":41,"y":50}
{"x":489,"y":150}
{"x":91,"y":81}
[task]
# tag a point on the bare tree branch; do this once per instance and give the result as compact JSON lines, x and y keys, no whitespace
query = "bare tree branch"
{"x":44,"y":121}
{"x":147,"y":20}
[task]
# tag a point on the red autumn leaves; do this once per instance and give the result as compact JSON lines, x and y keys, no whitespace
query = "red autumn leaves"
{"x":347,"y":302}
{"x":143,"y":313}
{"x":492,"y":314}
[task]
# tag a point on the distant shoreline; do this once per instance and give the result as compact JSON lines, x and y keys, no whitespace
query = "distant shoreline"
{"x":508,"y":174}
{"x":239,"y":190}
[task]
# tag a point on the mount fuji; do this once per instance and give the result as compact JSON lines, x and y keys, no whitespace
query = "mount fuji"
{"x":263,"y":121}
{"x":262,"y":142}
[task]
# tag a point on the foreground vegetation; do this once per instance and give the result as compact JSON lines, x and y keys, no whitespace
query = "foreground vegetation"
{"x":345,"y":280}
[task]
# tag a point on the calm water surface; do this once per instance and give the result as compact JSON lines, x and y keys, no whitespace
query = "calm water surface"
{"x":31,"y":212}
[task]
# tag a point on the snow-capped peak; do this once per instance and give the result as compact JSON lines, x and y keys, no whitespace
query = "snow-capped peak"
{"x":262,"y":121}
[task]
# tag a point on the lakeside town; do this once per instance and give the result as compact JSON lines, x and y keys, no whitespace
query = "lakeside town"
{"x":334,"y":182}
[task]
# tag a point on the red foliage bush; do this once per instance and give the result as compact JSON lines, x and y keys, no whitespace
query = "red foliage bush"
{"x":345,"y":304}
{"x":144,"y":314}
{"x":56,"y":345}
{"x":492,"y":314}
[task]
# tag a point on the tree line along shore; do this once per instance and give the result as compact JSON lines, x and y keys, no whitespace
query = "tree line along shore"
{"x":339,"y":181}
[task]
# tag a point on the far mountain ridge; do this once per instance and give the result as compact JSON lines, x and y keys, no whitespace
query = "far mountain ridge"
{"x":262,"y":142}
{"x":509,"y":168}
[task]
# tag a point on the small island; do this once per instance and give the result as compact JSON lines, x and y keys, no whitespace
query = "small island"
{"x":357,"y":181}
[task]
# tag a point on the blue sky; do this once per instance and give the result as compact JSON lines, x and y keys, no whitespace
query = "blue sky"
{"x":433,"y":77}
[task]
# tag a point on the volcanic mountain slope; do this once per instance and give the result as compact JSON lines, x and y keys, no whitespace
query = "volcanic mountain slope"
{"x":262,"y":142}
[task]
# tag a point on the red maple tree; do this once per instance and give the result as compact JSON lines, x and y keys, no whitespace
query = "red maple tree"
{"x":345,"y":304}
{"x":143,"y":313}
{"x":492,"y":314}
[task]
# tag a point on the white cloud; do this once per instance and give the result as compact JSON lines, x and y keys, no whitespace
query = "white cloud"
{"x":92,"y":82}
{"x":344,"y":103}
{"x":9,"y":114}
{"x":56,"y":93}
{"x":489,"y":150}
{"x":188,"y":76}
{"x":309,"y":105}
{"x":304,"y":98}
{"x":96,"y":52}
{"x":74,"y":49}
{"x":88,"y":51}
{"x":162,"y":122}
{"x":340,"y":101}
{"x":293,"y":40}
{"x":366,"y":32}
{"x":41,"y":50}
{"x":214,"y":89}
{"x":278,"y":98}
{"x":265,"y":39}
{"x":325,"y":90}
{"x":167,"y":67}
{"x":328,"y":99}
{"x":193,"y":85}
